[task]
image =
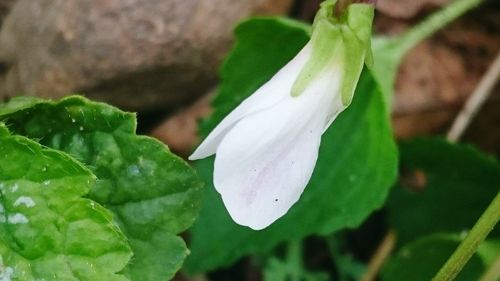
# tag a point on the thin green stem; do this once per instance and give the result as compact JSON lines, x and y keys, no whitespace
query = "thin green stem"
{"x":334,"y":249}
{"x":294,"y":258}
{"x":468,"y":247}
{"x":435,"y":22}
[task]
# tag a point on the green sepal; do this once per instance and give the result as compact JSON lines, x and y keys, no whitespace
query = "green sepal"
{"x":357,"y":46}
{"x":339,"y":41}
{"x":326,"y":42}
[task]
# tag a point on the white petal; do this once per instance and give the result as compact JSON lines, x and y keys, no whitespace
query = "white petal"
{"x":266,"y":96}
{"x":336,"y":107}
{"x":265,"y":161}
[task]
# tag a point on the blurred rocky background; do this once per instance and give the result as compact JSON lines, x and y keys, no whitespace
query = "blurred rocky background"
{"x":137,"y":54}
{"x":160,"y":58}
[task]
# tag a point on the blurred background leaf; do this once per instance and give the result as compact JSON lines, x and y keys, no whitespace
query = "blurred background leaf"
{"x":422,"y":258}
{"x":444,"y":188}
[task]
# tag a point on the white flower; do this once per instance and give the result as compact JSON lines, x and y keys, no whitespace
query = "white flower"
{"x":266,"y":149}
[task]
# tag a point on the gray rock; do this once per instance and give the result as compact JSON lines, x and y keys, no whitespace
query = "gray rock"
{"x":136,"y":54}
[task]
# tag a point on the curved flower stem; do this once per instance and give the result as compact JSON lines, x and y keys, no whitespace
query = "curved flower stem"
{"x":434,"y":23}
{"x":468,"y":247}
{"x":388,"y":52}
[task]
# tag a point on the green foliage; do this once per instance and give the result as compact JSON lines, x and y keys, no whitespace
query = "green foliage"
{"x":154,"y":194}
{"x":421,"y":259}
{"x":459,"y":183}
{"x":292,"y":268}
{"x":356,"y":166}
{"x":278,"y":270}
{"x":347,"y":267}
{"x":47,"y":230}
{"x":139,"y":196}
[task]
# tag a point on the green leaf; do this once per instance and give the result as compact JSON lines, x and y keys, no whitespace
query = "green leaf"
{"x":422,"y":259}
{"x":47,"y":231}
{"x":459,"y":183}
{"x":356,"y":166}
{"x":154,"y":194}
